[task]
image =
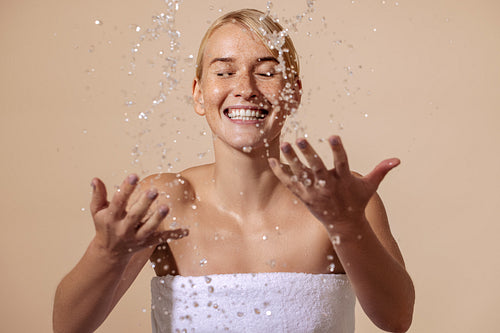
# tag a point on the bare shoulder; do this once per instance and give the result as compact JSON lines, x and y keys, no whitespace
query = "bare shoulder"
{"x":176,"y":188}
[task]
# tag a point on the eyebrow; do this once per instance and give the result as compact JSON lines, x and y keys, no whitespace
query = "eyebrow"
{"x":229,"y":59}
{"x":214,"y":60}
{"x":268,"y":59}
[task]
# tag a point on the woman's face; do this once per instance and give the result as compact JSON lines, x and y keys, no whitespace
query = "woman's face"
{"x":241,"y":91}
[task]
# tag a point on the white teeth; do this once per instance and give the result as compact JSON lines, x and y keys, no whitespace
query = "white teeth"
{"x":245,"y":114}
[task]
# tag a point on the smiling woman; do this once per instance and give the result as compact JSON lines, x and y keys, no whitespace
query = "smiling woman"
{"x":284,"y":247}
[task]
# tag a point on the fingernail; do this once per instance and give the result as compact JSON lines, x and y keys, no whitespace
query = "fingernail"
{"x":334,"y":141}
{"x":272,"y":162}
{"x":286,"y":148}
{"x":163,"y":211}
{"x":152,"y":194}
{"x":302,"y":144}
{"x":132,"y":179}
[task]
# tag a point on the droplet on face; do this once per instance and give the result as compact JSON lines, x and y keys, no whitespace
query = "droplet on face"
{"x":203,"y":262}
{"x":247,"y":149}
{"x":331,"y":267}
{"x":264,"y":237}
{"x":98,"y":22}
{"x":321,"y":183}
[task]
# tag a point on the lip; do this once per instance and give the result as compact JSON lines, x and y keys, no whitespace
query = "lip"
{"x":265,"y":112}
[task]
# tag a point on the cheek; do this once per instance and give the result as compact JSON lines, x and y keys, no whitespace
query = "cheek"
{"x":272,"y":91}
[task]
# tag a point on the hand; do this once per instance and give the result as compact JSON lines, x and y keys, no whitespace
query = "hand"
{"x":121,"y":232}
{"x":336,"y":197}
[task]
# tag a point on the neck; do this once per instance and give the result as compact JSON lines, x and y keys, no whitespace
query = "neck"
{"x":244,"y":182}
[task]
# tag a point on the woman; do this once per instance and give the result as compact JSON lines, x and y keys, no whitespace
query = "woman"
{"x":299,"y":241}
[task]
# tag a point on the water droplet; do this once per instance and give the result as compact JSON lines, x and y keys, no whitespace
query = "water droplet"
{"x":268,"y":313}
{"x":194,"y":206}
{"x":208,"y":279}
{"x":329,"y":257}
{"x":247,"y":149}
{"x":264,"y":237}
{"x":98,"y":22}
{"x":336,"y":240}
{"x":321,"y":183}
{"x":83,"y":209}
{"x":307,"y":182}
{"x":203,"y":262}
{"x":331,"y":267}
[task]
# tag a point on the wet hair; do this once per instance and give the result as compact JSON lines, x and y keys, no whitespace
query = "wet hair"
{"x":262,"y":25}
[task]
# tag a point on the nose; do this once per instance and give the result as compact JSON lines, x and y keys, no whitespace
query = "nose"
{"x":245,"y":87}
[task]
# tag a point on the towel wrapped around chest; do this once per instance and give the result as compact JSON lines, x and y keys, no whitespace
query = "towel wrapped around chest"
{"x":260,"y":302}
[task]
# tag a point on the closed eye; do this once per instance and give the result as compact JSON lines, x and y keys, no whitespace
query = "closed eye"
{"x":225,"y":74}
{"x":266,"y":74}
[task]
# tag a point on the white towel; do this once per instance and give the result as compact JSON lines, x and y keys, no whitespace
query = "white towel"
{"x":262,"y":302}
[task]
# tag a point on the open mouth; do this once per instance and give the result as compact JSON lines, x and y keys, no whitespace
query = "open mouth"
{"x":246,"y":113}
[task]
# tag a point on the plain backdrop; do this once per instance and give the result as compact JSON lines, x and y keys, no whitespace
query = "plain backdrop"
{"x":81,"y":90}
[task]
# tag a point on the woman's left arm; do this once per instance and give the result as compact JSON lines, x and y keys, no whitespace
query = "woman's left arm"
{"x":355,"y":218}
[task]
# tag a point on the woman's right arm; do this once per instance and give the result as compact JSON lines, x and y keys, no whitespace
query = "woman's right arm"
{"x":124,"y":240}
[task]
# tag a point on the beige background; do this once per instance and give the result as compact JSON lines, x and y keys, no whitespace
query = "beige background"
{"x":414,"y":79}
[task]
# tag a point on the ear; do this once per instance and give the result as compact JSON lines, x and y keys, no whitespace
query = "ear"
{"x":198,"y":98}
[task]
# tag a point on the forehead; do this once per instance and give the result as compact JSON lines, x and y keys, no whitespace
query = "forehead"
{"x":234,"y":40}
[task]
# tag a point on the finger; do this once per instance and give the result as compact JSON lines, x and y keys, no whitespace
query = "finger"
{"x":137,"y":212}
{"x":120,"y":198}
{"x":318,"y":167}
{"x":287,"y":178}
{"x":150,"y":226}
{"x":293,"y":160}
{"x":99,"y":196}
{"x":160,"y":237}
{"x":339,"y":156}
{"x":376,"y":176}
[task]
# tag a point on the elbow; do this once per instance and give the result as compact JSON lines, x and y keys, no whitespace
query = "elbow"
{"x":400,"y":318}
{"x":399,"y":324}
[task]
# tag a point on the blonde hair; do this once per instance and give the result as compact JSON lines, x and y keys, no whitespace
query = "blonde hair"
{"x":262,"y":25}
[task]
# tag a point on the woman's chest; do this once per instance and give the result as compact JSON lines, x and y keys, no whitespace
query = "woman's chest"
{"x":221,"y":243}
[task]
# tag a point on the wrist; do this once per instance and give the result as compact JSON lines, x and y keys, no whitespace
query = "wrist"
{"x":348,"y":230}
{"x":106,"y":255}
